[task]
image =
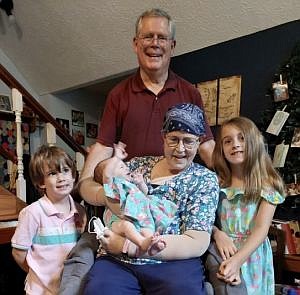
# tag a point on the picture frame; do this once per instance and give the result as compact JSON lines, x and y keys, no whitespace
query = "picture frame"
{"x":77,"y":118}
{"x":91,"y":130}
{"x":5,"y":103}
{"x":64,"y":123}
{"x":78,"y":136}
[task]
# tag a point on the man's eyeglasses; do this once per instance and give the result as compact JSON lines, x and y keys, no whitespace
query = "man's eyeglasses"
{"x":148,"y":39}
{"x":188,"y":142}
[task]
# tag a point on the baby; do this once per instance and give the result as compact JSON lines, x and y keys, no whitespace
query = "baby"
{"x":132,"y":212}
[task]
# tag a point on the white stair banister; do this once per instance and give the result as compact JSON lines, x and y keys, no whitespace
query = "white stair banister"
{"x":50,"y":134}
{"x":79,"y":162}
{"x":17,"y":103}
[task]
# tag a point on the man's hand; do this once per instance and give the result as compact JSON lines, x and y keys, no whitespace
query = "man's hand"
{"x":119,"y":150}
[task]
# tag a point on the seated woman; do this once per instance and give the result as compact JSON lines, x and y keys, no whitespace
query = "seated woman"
{"x":131,"y":212}
{"x":194,"y":189}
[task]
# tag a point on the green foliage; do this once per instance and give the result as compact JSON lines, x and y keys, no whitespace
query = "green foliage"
{"x":290,"y":71}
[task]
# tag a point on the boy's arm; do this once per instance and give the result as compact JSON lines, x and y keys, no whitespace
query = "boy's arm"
{"x":20,"y":258}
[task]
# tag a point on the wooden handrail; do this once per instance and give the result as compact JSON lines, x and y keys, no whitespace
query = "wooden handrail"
{"x":38,"y":109}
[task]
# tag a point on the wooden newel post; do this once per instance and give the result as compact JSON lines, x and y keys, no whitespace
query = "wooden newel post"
{"x":17,"y":103}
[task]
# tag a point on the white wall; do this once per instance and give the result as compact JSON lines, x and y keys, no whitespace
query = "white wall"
{"x":59,"y":106}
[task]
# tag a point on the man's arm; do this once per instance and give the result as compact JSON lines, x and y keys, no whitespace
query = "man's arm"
{"x":91,"y":191}
{"x":205,"y":152}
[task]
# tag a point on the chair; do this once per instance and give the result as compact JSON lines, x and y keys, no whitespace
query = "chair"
{"x":277,"y":238}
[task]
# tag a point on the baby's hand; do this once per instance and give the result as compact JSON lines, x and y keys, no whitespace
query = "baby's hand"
{"x":119,"y":150}
{"x":137,"y":177}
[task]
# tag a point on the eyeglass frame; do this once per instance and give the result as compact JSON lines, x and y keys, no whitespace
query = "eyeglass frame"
{"x":147,"y":39}
{"x":178,"y":140}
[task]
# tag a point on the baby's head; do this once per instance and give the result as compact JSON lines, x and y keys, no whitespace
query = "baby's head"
{"x":114,"y":168}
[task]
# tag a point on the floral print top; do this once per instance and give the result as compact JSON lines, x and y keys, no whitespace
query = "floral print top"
{"x":195,"y":191}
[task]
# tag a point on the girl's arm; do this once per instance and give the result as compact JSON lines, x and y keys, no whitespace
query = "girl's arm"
{"x":230,"y":267}
{"x":20,"y":258}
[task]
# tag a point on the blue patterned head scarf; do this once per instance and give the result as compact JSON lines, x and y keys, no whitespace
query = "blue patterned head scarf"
{"x":185,"y":117}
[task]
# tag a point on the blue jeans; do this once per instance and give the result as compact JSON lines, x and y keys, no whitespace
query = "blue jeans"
{"x":110,"y":276}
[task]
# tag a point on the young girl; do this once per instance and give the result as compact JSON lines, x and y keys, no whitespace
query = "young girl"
{"x":133,"y":213}
{"x":250,"y":191}
{"x":49,"y":228}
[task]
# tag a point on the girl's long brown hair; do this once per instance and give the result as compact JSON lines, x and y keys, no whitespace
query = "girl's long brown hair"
{"x":258,"y":169}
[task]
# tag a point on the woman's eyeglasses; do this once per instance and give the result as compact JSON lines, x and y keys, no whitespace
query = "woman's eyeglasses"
{"x":188,"y":142}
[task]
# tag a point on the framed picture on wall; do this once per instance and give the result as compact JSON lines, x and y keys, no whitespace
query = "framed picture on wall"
{"x":64,"y":123}
{"x":78,"y":136}
{"x":91,"y":130}
{"x":77,"y":118}
{"x":5,"y":103}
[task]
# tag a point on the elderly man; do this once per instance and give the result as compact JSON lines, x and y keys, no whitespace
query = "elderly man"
{"x":135,"y":109}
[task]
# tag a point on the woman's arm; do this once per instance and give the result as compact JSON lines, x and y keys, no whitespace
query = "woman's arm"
{"x":230,"y":267}
{"x":20,"y":258}
{"x":191,"y":243}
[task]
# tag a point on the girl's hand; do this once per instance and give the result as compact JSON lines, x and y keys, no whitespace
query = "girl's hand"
{"x":229,"y":271}
{"x":119,"y":150}
{"x":224,"y":244}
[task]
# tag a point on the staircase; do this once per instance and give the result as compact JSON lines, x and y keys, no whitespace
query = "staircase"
{"x":11,"y":204}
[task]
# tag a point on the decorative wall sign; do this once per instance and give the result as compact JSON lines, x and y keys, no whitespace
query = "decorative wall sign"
{"x":221,"y":98}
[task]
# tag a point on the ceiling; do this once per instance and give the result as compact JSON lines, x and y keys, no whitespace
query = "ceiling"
{"x":59,"y":45}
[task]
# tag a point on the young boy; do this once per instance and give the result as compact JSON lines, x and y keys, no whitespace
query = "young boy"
{"x":49,"y":228}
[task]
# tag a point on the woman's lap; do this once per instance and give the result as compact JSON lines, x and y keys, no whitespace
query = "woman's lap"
{"x":109,"y":276}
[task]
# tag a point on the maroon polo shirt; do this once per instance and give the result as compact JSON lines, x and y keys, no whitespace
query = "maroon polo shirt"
{"x":134,"y":115}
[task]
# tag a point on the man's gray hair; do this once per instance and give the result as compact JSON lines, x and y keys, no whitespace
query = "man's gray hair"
{"x":155,"y":12}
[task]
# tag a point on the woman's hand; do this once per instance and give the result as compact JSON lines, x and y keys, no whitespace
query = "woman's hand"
{"x":224,"y":244}
{"x":112,"y":242}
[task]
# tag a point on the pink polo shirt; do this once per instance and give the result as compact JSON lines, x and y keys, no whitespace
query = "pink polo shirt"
{"x":48,"y":236}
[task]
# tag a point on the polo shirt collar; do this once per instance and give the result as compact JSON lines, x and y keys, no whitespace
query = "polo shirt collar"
{"x":139,"y":86}
{"x":50,"y":209}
